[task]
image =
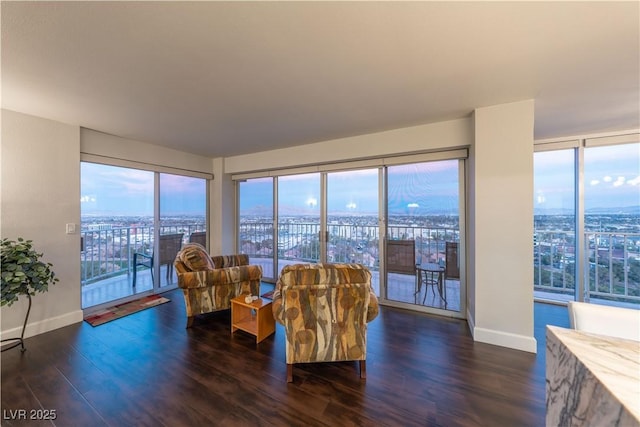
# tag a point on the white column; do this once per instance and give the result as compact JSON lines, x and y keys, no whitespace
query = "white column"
{"x":222,"y":211}
{"x":501,"y":226}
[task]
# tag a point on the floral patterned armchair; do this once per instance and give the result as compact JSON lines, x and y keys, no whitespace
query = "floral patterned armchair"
{"x":325,"y":309}
{"x":210,"y":283}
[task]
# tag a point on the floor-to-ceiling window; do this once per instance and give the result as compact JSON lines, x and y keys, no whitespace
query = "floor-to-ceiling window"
{"x":612,"y":224}
{"x":587,"y":220}
{"x":423,"y":234}
{"x":342,"y":214}
{"x":133,"y":222}
{"x":298,"y":219}
{"x":554,"y":240}
{"x":183,"y":212}
{"x":352,"y":220}
{"x":117,"y":211}
{"x":256,"y":232}
{"x":351,"y":230}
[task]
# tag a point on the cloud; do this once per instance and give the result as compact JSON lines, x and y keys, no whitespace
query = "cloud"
{"x":619,"y":181}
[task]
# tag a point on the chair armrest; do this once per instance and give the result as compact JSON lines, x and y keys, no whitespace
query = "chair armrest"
{"x":374,"y":307}
{"x":147,"y":262}
{"x":219,"y":276}
{"x":276,"y":306}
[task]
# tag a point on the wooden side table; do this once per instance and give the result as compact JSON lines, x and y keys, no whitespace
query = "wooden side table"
{"x":255,"y":317}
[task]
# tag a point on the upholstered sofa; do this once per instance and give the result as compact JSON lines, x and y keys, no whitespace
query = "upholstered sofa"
{"x":210,"y":283}
{"x":324,"y":309}
{"x":619,"y":322}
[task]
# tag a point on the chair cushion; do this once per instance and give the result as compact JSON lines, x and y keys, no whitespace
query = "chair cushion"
{"x":195,"y":257}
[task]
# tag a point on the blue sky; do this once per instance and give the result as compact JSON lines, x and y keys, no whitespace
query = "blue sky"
{"x":111,"y":190}
{"x":425,"y":188}
{"x":611,"y":178}
{"x":611,"y":175}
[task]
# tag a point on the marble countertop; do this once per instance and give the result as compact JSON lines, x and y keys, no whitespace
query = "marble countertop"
{"x":614,"y":362}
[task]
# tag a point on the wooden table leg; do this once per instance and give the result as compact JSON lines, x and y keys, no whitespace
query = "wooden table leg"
{"x":289,"y":372}
{"x":363,"y":369}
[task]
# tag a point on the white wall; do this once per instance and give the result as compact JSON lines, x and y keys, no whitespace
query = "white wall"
{"x":436,"y":136}
{"x":499,"y":202}
{"x":40,"y":194}
{"x":40,"y":187}
{"x":501,"y":226}
{"x":115,"y":147}
{"x":501,"y":169}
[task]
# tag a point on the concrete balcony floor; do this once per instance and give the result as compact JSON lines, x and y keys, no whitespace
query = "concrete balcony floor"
{"x":401,"y":288}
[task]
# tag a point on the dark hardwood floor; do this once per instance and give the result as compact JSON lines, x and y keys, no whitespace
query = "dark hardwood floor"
{"x":146,"y":369}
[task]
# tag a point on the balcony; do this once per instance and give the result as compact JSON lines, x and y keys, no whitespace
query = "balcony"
{"x":613,"y":260}
{"x":107,"y":261}
{"x":612,"y":267}
{"x":359,"y":243}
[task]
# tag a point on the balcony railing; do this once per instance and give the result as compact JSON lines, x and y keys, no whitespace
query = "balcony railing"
{"x":346,"y":242}
{"x":109,"y":252}
{"x":612,"y":264}
{"x":612,"y":260}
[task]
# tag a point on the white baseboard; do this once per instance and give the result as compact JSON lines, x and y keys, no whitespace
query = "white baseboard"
{"x":505,"y":339}
{"x":42,"y":326}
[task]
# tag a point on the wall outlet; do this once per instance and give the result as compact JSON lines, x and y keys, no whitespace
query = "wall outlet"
{"x":71,"y":228}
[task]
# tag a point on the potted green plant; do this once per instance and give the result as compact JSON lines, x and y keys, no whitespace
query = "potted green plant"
{"x":23,"y":273}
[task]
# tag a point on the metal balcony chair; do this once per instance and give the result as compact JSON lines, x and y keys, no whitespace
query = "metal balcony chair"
{"x":169,"y":246}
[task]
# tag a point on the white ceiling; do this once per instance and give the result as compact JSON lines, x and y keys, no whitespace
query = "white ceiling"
{"x":227,"y":78}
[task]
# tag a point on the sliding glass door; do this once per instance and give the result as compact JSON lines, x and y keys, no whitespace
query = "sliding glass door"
{"x":423,"y":234}
{"x":401,"y":221}
{"x":298,"y":219}
{"x":117,"y":225}
{"x":133,"y":223}
{"x":352,"y":219}
{"x":183,"y":210}
{"x":256,"y":231}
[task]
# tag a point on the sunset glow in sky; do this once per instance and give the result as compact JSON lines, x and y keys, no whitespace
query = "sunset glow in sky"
{"x":611,"y":176}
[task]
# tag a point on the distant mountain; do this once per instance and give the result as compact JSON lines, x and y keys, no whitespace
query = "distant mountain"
{"x":539,"y":211}
{"x":628,"y":210}
{"x":259,"y":211}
